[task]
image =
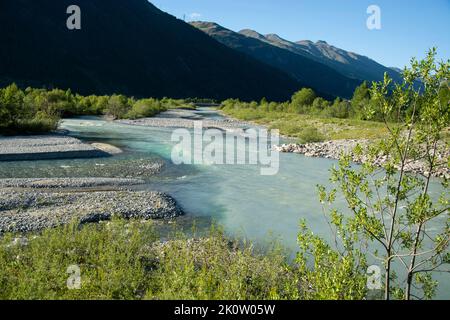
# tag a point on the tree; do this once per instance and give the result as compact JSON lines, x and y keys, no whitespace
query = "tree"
{"x":389,"y":209}
{"x":339,"y":109}
{"x":11,"y":105}
{"x":145,"y":108}
{"x":319,"y":105}
{"x":360,"y":100}
{"x":117,"y":106}
{"x":302,"y":100}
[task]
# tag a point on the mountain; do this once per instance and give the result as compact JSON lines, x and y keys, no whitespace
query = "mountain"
{"x":398,"y":70}
{"x":348,"y":63}
{"x":127,"y":47}
{"x":322,"y":78}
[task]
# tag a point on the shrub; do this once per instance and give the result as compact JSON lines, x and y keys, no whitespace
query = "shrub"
{"x":117,"y":106}
{"x":109,"y":257}
{"x":36,"y":125}
{"x":302,"y":100}
{"x":124,"y":260}
{"x":310,"y":134}
{"x":145,"y":108}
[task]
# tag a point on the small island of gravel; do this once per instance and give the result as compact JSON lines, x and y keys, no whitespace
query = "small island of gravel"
{"x":186,"y":119}
{"x":28,"y":205}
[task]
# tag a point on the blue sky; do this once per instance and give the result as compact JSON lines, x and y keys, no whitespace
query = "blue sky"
{"x":408,"y":28}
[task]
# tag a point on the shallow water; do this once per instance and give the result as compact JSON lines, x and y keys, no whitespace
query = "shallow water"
{"x":245,"y":203}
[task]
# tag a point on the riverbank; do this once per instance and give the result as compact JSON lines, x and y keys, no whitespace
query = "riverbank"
{"x":29,"y":205}
{"x":361,"y":132}
{"x":334,"y":149}
{"x":47,"y":147}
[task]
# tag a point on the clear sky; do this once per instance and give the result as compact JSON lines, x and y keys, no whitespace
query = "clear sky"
{"x":408,"y":27}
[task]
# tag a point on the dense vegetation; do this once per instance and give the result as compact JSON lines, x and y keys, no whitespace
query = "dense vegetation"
{"x":306,"y":101}
{"x":126,"y":260}
{"x":311,"y":118}
{"x":39,"y":110}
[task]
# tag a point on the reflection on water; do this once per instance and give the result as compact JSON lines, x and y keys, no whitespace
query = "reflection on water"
{"x":235,"y":196}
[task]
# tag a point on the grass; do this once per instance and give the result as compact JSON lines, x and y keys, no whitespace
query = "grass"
{"x":126,"y":260}
{"x":308,"y":128}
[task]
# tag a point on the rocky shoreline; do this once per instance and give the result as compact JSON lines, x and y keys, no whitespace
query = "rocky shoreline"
{"x":333,"y":150}
{"x":28,"y":205}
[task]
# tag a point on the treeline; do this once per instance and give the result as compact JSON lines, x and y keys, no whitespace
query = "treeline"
{"x":39,"y":110}
{"x":307,"y":102}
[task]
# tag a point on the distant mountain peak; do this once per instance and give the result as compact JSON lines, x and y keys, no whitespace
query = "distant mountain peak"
{"x":205,"y":23}
{"x":253,"y":34}
{"x":274,"y":36}
{"x":348,"y":63}
{"x":308,"y":72}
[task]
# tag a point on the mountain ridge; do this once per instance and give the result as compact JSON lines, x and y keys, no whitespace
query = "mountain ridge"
{"x":325,"y":80}
{"x":131,"y":48}
{"x":348,"y":63}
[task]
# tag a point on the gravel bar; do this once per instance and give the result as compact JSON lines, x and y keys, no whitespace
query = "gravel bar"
{"x":46,"y":147}
{"x":227,"y":124}
{"x":29,"y":211}
{"x":61,"y":183}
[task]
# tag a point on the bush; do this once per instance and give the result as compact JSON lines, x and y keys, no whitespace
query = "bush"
{"x":302,"y":100}
{"x":145,"y":108}
{"x":310,"y":134}
{"x":36,"y":125}
{"x":340,"y":109}
{"x":109,"y":257}
{"x":11,"y":105}
{"x":125,"y":260}
{"x":212,"y":268}
{"x":117,"y":106}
